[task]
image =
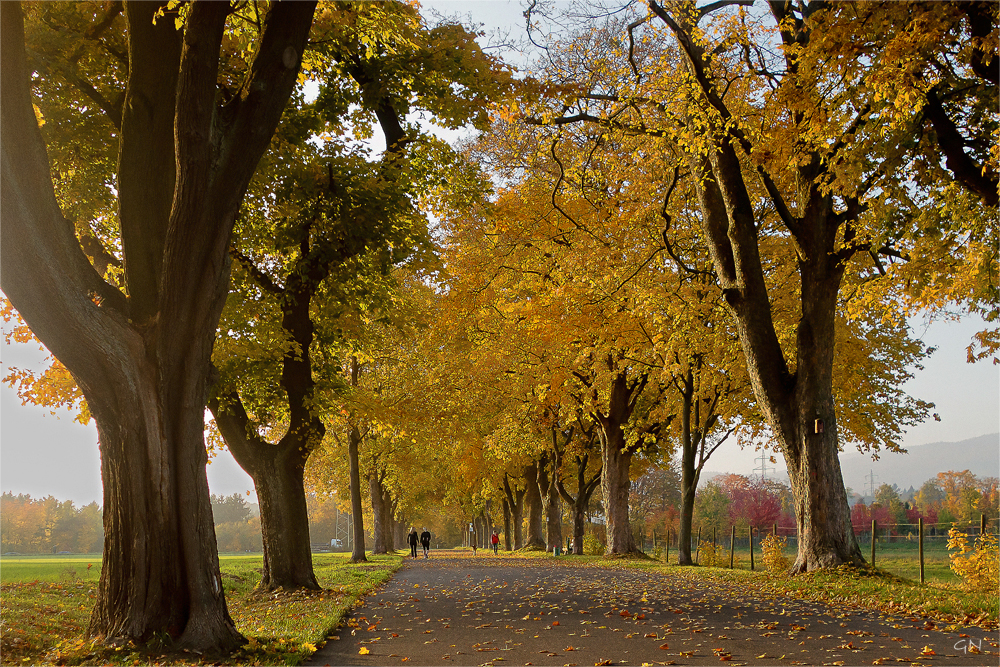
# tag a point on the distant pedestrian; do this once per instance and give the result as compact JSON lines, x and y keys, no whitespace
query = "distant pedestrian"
{"x":412,"y":539}
{"x":495,"y":541}
{"x":425,"y":542}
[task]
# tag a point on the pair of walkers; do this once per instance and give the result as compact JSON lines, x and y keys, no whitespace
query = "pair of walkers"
{"x":424,"y":539}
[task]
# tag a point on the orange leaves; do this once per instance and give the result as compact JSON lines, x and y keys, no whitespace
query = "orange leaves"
{"x":664,"y":646}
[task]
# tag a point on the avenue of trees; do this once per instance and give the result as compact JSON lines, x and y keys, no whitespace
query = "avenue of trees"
{"x":683,"y":228}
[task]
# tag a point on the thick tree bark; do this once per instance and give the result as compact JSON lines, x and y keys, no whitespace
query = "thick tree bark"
{"x":506,"y":525}
{"x":144,"y":365}
{"x":380,"y":515}
{"x":585,"y":491}
{"x":277,"y":472}
{"x":533,"y":499}
{"x":358,"y":537}
{"x":547,"y":477}
{"x":585,"y":488}
{"x":399,"y":532}
{"x":616,"y":458}
{"x":515,"y":500}
{"x":689,"y":486}
{"x":794,"y":403}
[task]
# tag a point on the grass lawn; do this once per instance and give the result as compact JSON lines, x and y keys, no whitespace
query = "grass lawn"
{"x":893,"y":587}
{"x":45,"y":611}
{"x":50,"y":568}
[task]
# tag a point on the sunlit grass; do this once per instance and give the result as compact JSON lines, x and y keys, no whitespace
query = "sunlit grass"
{"x":44,"y":620}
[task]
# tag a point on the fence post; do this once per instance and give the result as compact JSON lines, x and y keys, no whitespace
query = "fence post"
{"x":774,"y":529}
{"x":982,"y":524}
{"x":697,"y":548}
{"x":750,"y":533}
{"x":666,"y":548}
{"x":732,"y":544}
{"x":715,"y":533}
{"x":874,"y":528}
{"x":920,"y":540}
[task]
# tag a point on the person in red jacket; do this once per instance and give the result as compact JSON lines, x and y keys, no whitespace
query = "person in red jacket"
{"x":495,"y":541}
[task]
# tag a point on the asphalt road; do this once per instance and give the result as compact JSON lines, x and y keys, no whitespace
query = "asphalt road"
{"x":484,"y":610}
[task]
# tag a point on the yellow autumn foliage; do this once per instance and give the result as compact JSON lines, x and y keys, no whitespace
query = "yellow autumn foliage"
{"x":774,"y":558}
{"x":977,"y":564}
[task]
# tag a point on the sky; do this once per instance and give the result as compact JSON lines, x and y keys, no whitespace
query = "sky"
{"x":43,"y":454}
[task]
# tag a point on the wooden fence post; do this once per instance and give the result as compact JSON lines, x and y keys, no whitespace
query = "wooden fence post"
{"x":697,"y":548}
{"x":920,"y":540}
{"x":750,"y":534}
{"x":982,"y":524}
{"x":732,"y":544}
{"x":666,"y":549}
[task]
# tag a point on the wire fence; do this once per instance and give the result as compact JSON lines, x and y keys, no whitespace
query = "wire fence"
{"x":917,"y":551}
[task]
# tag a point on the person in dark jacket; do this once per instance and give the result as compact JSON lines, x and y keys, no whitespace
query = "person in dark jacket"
{"x":412,"y":539}
{"x":425,"y":541}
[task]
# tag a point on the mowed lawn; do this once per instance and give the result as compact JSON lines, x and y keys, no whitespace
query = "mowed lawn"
{"x":47,"y":600}
{"x":899,"y":558}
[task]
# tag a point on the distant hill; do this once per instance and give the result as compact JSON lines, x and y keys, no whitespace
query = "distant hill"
{"x":980,"y":455}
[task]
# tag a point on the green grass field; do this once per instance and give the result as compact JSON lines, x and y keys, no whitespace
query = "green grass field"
{"x":46,"y":604}
{"x":50,"y":568}
{"x":899,"y":557}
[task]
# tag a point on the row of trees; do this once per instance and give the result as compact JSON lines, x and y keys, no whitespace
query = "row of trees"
{"x":950,"y":497}
{"x":686,"y":227}
{"x":47,"y":525}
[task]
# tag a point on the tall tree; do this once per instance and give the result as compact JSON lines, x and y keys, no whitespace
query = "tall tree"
{"x":141,"y":354}
{"x":785,"y":160}
{"x":344,"y":221}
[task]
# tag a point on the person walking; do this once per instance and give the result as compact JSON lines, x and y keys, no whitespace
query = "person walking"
{"x":412,"y":539}
{"x":425,"y":542}
{"x":495,"y":541}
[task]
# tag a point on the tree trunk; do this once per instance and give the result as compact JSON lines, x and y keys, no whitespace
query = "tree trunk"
{"x":380,"y":525}
{"x":550,"y":498}
{"x":284,"y":525}
{"x":358,"y":537}
{"x":810,"y":447}
{"x":536,"y":530}
{"x":553,"y":516}
{"x":793,"y":401}
{"x":144,"y":364}
{"x":399,"y":532}
{"x":392,"y":505}
{"x":277,"y":472}
{"x":616,"y":459}
{"x":585,"y":491}
{"x":615,"y":484}
{"x":689,"y":476}
{"x":506,"y":525}
{"x":515,"y":500}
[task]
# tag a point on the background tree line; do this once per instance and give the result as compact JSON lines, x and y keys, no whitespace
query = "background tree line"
{"x":47,"y":525}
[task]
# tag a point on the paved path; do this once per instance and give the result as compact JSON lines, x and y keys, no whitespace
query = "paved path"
{"x":456,"y":609}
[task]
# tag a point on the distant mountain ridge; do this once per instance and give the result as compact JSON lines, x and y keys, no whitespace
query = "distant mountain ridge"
{"x":979,"y":455}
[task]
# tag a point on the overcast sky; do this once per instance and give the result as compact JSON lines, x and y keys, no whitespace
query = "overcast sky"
{"x":42,"y":454}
